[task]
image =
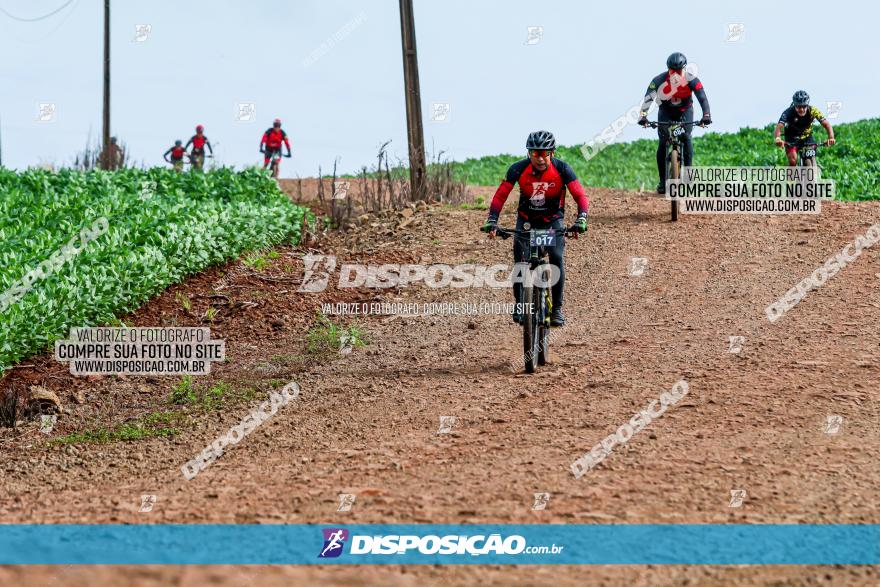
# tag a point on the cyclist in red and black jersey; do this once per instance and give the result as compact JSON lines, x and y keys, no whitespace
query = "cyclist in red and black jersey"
{"x":272,"y":140}
{"x":543,"y":180}
{"x":199,"y":141}
{"x":177,"y":152}
{"x":797,"y":120}
{"x":674,"y":90}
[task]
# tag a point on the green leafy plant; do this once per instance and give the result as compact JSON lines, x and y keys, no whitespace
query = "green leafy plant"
{"x":157,"y":424}
{"x":184,"y":300}
{"x":191,"y":222}
{"x":852,"y":163}
{"x":326,"y":337}
{"x":479,"y":203}
{"x":184,"y":392}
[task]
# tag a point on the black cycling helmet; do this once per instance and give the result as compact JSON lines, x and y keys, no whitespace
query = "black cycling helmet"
{"x":178,"y":142}
{"x":541,"y":139}
{"x":800,"y":98}
{"x":676,"y":61}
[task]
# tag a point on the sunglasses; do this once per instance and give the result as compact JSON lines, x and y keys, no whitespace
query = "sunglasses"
{"x":541,"y":152}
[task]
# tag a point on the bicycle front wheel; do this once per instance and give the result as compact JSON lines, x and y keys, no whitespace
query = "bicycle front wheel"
{"x":530,"y":329}
{"x":544,"y":326}
{"x":674,"y":172}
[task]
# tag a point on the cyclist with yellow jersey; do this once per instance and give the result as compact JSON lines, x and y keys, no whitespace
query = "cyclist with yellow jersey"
{"x":797,"y":120}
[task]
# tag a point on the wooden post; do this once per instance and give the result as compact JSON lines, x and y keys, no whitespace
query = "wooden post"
{"x":105,"y":151}
{"x":415,"y":132}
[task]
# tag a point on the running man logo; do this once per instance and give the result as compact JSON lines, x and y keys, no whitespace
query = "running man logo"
{"x":735,"y":32}
{"x":832,"y":108}
{"x":833,"y":424}
{"x":340,"y":189}
{"x":141,"y":32}
{"x":245,"y":111}
{"x":334,"y":540}
{"x":147,"y":503}
{"x":148,"y":189}
{"x":315,"y":279}
{"x":446,"y":424}
{"x":541,"y":500}
{"x":539,"y":192}
{"x":534,"y":34}
{"x":736,"y":497}
{"x":735,"y":344}
{"x":346,"y":500}
{"x":45,"y":112}
{"x":440,"y":111}
{"x":637,"y":266}
{"x":47,"y":423}
{"x":346,"y":341}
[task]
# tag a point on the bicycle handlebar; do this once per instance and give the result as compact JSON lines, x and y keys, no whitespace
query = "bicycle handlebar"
{"x":656,"y":123}
{"x":506,"y":233}
{"x":822,"y":144}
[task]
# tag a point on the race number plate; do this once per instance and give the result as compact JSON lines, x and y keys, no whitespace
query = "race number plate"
{"x":543,"y":238}
{"x":808,"y":153}
{"x":676,"y":131}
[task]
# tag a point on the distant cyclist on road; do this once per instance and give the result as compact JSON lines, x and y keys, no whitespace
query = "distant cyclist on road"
{"x":797,"y":120}
{"x":271,"y":142}
{"x":177,"y":153}
{"x":674,"y":90}
{"x":199,"y":141}
{"x":542,"y":180}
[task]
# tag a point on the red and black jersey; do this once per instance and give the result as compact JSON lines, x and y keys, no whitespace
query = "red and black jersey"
{"x":274,"y":137}
{"x":198,"y":142}
{"x":675,"y":93}
{"x":177,"y":153}
{"x":541,"y":193}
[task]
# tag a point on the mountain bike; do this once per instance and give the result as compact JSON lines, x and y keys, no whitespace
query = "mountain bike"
{"x":806,"y":152}
{"x":673,"y":151}
{"x":176,"y":165}
{"x":275,"y":162}
{"x":197,"y":160}
{"x":536,"y":300}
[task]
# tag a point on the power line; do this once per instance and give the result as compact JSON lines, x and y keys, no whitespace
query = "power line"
{"x":44,"y":17}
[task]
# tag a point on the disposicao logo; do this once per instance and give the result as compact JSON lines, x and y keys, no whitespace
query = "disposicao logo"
{"x":334,"y":540}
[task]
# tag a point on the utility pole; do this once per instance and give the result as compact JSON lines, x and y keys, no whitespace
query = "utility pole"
{"x":414,"y":130}
{"x":105,"y":151}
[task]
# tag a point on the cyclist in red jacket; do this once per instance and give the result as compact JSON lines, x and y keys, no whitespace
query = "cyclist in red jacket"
{"x":271,"y":142}
{"x":199,"y":141}
{"x":542,"y":180}
{"x":675,"y":90}
{"x":177,"y":152}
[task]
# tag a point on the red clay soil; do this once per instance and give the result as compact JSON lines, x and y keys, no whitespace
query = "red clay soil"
{"x":367,"y":422}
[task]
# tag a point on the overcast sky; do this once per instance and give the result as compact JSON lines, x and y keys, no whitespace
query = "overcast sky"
{"x":332,"y":71}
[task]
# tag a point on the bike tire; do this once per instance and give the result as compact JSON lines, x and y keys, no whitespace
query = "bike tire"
{"x":530,"y":330}
{"x":674,"y":172}
{"x":544,"y":326}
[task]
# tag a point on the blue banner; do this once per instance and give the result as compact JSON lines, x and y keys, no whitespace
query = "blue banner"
{"x":623,"y":544}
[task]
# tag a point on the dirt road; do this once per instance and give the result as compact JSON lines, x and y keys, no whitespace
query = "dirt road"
{"x":367,"y":422}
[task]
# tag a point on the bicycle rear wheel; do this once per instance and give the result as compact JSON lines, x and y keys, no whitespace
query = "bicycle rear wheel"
{"x":530,"y":329}
{"x":674,"y":172}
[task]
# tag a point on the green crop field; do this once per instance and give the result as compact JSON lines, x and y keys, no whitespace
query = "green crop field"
{"x":80,"y":248}
{"x":853,"y":163}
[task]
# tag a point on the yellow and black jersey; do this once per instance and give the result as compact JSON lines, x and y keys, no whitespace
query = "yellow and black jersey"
{"x":800,"y":127}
